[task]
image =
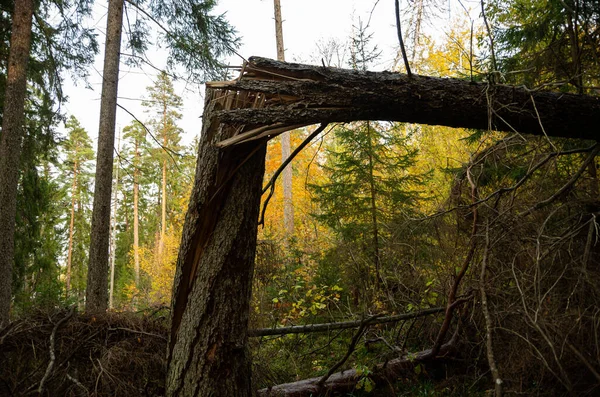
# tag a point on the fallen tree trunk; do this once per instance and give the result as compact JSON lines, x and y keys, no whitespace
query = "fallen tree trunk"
{"x":304,"y":329}
{"x":301,"y":95}
{"x":345,"y":381}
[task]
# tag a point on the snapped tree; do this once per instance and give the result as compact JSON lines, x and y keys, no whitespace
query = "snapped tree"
{"x":207,"y":348}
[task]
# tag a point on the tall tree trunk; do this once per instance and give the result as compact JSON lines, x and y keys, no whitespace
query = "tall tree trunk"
{"x":136,"y":221}
{"x":71,"y":231}
{"x":113,"y":237}
{"x":11,"y":138}
{"x":97,"y":280}
{"x":288,"y":203}
{"x":375,"y":225}
{"x":211,"y":298}
{"x":163,"y":213}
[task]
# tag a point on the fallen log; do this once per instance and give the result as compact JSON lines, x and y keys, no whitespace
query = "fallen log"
{"x":296,"y":94}
{"x":303,"y":329}
{"x":345,"y":381}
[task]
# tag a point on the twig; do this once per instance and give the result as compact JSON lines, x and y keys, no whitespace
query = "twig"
{"x":78,"y":383}
{"x":567,"y":185}
{"x":350,"y":350}
{"x":488,"y":319}
{"x":399,"y":30}
{"x":50,"y":366}
{"x":279,"y":170}
{"x":138,"y":332}
{"x":169,"y":151}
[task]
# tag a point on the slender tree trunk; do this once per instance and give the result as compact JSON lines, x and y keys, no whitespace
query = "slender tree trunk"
{"x":211,"y":299}
{"x":136,"y":233}
{"x":113,"y":237}
{"x":97,"y":280}
{"x":71,"y":230}
{"x":163,"y":217}
{"x":11,"y":138}
{"x":375,"y":225}
{"x":288,"y":203}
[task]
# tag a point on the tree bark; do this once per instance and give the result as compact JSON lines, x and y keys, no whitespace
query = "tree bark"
{"x":11,"y":138}
{"x":286,"y":146}
{"x":97,"y":280}
{"x":113,"y":237}
{"x":314,"y":94}
{"x":207,"y":353}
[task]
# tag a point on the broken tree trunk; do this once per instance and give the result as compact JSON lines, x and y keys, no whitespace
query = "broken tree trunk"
{"x":207,"y":350}
{"x":303,"y":95}
{"x":207,"y":353}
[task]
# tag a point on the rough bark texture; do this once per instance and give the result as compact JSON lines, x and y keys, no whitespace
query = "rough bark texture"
{"x":11,"y":138}
{"x":207,"y":350}
{"x":97,"y":280}
{"x":306,"y":95}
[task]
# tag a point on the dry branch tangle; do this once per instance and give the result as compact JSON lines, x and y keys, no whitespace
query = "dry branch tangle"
{"x":303,"y":94}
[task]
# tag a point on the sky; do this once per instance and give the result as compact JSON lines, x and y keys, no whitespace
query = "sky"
{"x":305,"y":23}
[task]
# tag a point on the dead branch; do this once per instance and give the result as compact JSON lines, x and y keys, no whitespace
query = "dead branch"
{"x":50,"y":366}
{"x":364,"y":324}
{"x":303,"y":329}
{"x":271,"y":183}
{"x":567,"y":185}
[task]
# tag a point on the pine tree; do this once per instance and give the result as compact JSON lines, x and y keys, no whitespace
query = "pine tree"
{"x":136,"y":133}
{"x":368,"y":188}
{"x":164,"y":106}
{"x":79,"y":154}
{"x":10,"y":144}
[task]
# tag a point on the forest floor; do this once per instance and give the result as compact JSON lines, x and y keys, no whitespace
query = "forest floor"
{"x":66,"y":353}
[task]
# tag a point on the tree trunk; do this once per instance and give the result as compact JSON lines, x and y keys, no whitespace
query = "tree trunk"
{"x":314,"y":94}
{"x":163,"y":222}
{"x":71,"y":232}
{"x":286,"y":147}
{"x":97,"y":280}
{"x":113,"y":237}
{"x":375,"y":224}
{"x":136,"y":221}
{"x":207,"y":350}
{"x":11,"y":138}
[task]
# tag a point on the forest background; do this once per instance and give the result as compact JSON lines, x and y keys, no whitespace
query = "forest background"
{"x":386,"y":215}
